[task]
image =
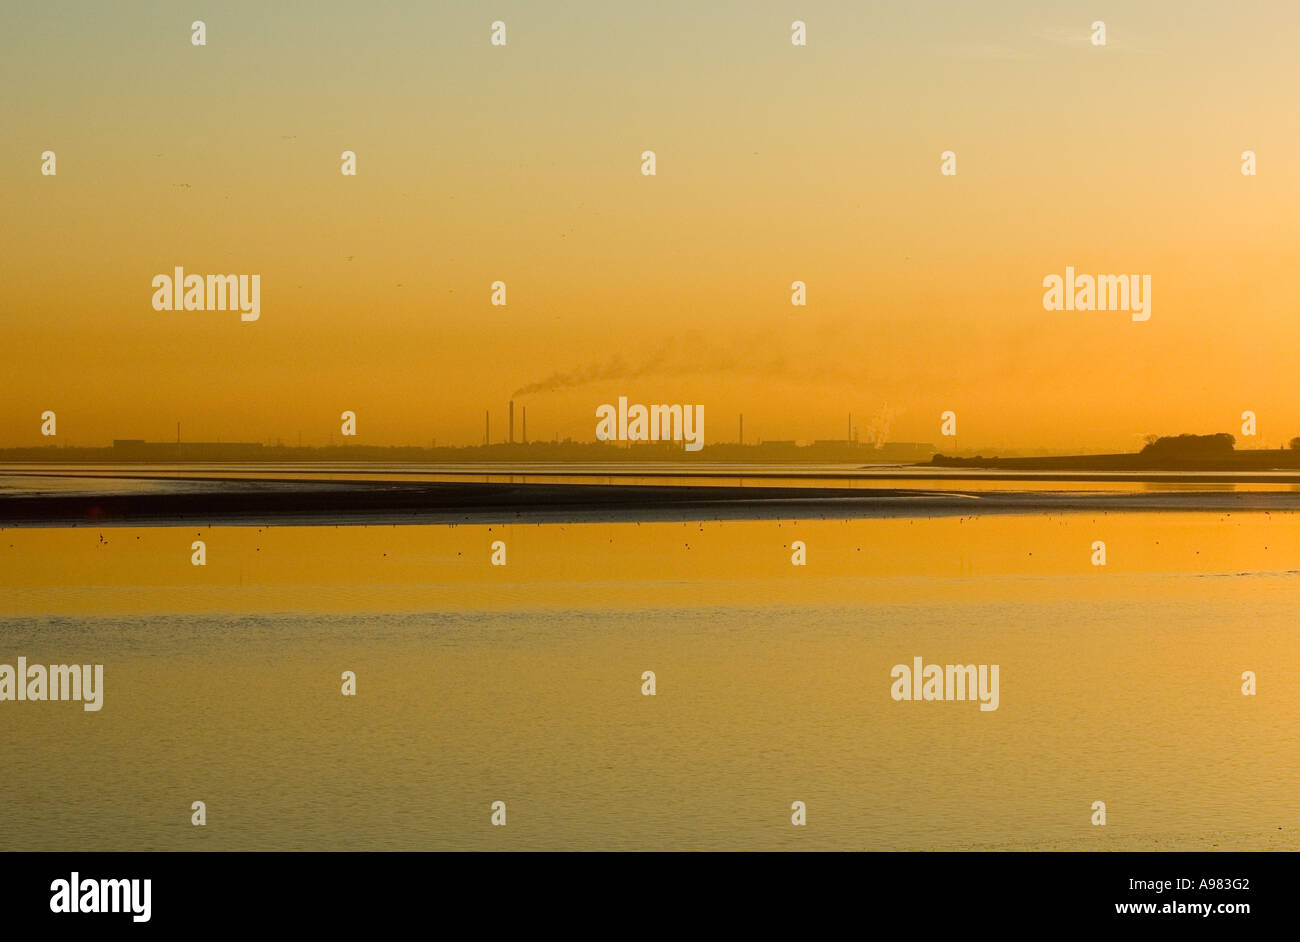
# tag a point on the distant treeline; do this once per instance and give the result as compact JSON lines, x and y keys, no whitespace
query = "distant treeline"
{"x":1175,"y":445}
{"x":1166,"y":453}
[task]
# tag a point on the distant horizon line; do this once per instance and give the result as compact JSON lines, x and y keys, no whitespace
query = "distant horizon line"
{"x":142,"y":445}
{"x":823,"y":449}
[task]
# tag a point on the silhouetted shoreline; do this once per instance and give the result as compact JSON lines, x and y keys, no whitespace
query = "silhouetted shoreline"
{"x":1263,"y":460}
{"x":1175,"y":453}
{"x":298,"y":503}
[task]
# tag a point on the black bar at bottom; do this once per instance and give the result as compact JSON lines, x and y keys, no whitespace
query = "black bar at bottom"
{"x":658,"y":894}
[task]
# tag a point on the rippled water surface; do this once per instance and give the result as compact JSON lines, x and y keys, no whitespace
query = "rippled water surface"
{"x":522,"y":683}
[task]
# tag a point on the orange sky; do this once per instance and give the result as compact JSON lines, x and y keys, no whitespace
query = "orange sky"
{"x":775,"y":163}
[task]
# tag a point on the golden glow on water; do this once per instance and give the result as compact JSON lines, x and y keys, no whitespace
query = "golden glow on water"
{"x":141,"y":570}
{"x":522,"y":684}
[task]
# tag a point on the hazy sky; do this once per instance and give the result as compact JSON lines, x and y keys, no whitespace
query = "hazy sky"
{"x":775,"y":163}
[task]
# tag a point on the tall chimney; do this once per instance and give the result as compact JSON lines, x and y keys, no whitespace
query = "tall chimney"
{"x":523,"y":435}
{"x":511,"y":439}
{"x":487,"y":426}
{"x":742,"y":428}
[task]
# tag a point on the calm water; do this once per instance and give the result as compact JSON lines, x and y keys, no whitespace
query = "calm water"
{"x":523,"y":684}
{"x":148,"y":478}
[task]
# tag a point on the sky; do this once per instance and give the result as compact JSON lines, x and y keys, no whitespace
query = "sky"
{"x":775,"y":163}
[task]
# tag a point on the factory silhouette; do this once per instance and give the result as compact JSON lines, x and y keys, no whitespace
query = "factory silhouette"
{"x":507,"y":448}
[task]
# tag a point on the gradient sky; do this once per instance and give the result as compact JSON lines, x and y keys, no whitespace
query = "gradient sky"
{"x":775,"y":163}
